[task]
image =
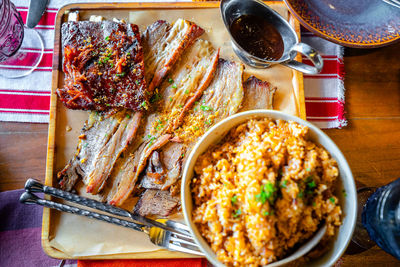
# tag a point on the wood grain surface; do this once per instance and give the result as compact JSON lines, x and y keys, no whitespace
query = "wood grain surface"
{"x":371,"y":142}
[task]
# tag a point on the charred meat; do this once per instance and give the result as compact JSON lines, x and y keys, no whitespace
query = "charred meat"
{"x":103,"y":66}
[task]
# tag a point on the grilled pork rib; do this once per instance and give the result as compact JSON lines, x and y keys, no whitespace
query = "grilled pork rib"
{"x":103,"y":66}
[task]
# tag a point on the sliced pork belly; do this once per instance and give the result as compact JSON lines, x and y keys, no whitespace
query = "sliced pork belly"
{"x":102,"y":141}
{"x":186,"y":79}
{"x":109,"y":153}
{"x":257,"y":94}
{"x":156,"y":202}
{"x":164,"y":167}
{"x":94,"y":135}
{"x":163,"y":46}
{"x":221,"y":99}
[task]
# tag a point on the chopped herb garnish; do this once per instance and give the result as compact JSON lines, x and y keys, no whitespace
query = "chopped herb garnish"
{"x":128,"y":54}
{"x":265,"y":213}
{"x":234,"y":199}
{"x":186,"y":92}
{"x":314,"y":204}
{"x":283,"y":184}
{"x":108,"y":105}
{"x":137,"y":82}
{"x":308,"y":169}
{"x":170,"y":80}
{"x":183,"y":154}
{"x":332,"y":199}
{"x":237,"y":213}
{"x":143,"y":104}
{"x":267,"y":193}
{"x":180,"y":106}
{"x":170,"y":99}
{"x":344,"y":193}
{"x":174,"y":86}
{"x":148,"y":136}
{"x":112,"y":65}
{"x":122,"y":74}
{"x":151,"y":140}
{"x":205,"y":108}
{"x":300,"y":194}
{"x":311,"y":184}
{"x":155,"y":97}
{"x":196,"y":102}
{"x":128,"y":116}
{"x":107,"y":38}
{"x":196,"y":128}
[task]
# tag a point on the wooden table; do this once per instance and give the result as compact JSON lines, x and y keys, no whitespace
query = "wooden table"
{"x":371,"y":141}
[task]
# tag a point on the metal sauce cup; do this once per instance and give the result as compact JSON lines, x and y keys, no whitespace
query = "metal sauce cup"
{"x":233,"y":9}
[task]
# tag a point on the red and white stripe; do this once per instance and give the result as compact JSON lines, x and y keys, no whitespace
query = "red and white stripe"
{"x":27,"y":99}
{"x":24,"y":105}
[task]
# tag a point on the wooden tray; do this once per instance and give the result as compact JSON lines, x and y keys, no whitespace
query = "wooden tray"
{"x":61,"y":143}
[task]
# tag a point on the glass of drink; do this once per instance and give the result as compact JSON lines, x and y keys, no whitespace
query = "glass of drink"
{"x":21,"y":48}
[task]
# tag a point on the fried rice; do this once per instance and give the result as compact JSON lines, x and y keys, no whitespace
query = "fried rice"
{"x":262,"y":191}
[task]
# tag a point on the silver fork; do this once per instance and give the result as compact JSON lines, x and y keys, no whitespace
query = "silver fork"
{"x":170,"y":234}
{"x":395,"y":3}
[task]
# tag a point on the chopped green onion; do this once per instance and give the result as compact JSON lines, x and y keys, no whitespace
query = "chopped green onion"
{"x":311,"y":184}
{"x":283,"y":184}
{"x":205,"y":108}
{"x":267,"y":191}
{"x":174,"y":86}
{"x":234,"y":199}
{"x":332,"y":199}
{"x":170,"y":80}
{"x":237,"y":213}
{"x":107,"y":38}
{"x":265,"y":213}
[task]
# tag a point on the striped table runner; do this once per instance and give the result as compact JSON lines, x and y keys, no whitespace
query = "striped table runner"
{"x":27,"y":99}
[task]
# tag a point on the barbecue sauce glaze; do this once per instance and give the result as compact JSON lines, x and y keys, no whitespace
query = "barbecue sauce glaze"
{"x":258,"y":37}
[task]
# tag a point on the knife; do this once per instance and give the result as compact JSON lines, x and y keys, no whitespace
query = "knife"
{"x":35,"y":12}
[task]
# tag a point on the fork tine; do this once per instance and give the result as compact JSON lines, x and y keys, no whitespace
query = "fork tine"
{"x":178,"y":225}
{"x":182,"y":237}
{"x":181,"y":240}
{"x":190,"y":249}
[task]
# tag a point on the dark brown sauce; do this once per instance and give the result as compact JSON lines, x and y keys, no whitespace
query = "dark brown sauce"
{"x":257,"y":36}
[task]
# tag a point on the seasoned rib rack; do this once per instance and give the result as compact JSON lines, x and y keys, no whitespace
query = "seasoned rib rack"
{"x":103,"y":66}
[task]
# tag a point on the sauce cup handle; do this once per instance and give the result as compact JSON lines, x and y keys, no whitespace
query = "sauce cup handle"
{"x":311,"y":54}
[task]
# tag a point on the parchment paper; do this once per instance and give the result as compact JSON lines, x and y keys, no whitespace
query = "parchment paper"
{"x":81,"y":237}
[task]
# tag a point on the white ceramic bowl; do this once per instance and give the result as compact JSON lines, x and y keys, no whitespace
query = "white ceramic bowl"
{"x":348,"y":203}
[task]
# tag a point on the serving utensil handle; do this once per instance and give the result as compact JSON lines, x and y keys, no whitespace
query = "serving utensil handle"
{"x":311,"y":54}
{"x":29,"y":198}
{"x":33,"y":185}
